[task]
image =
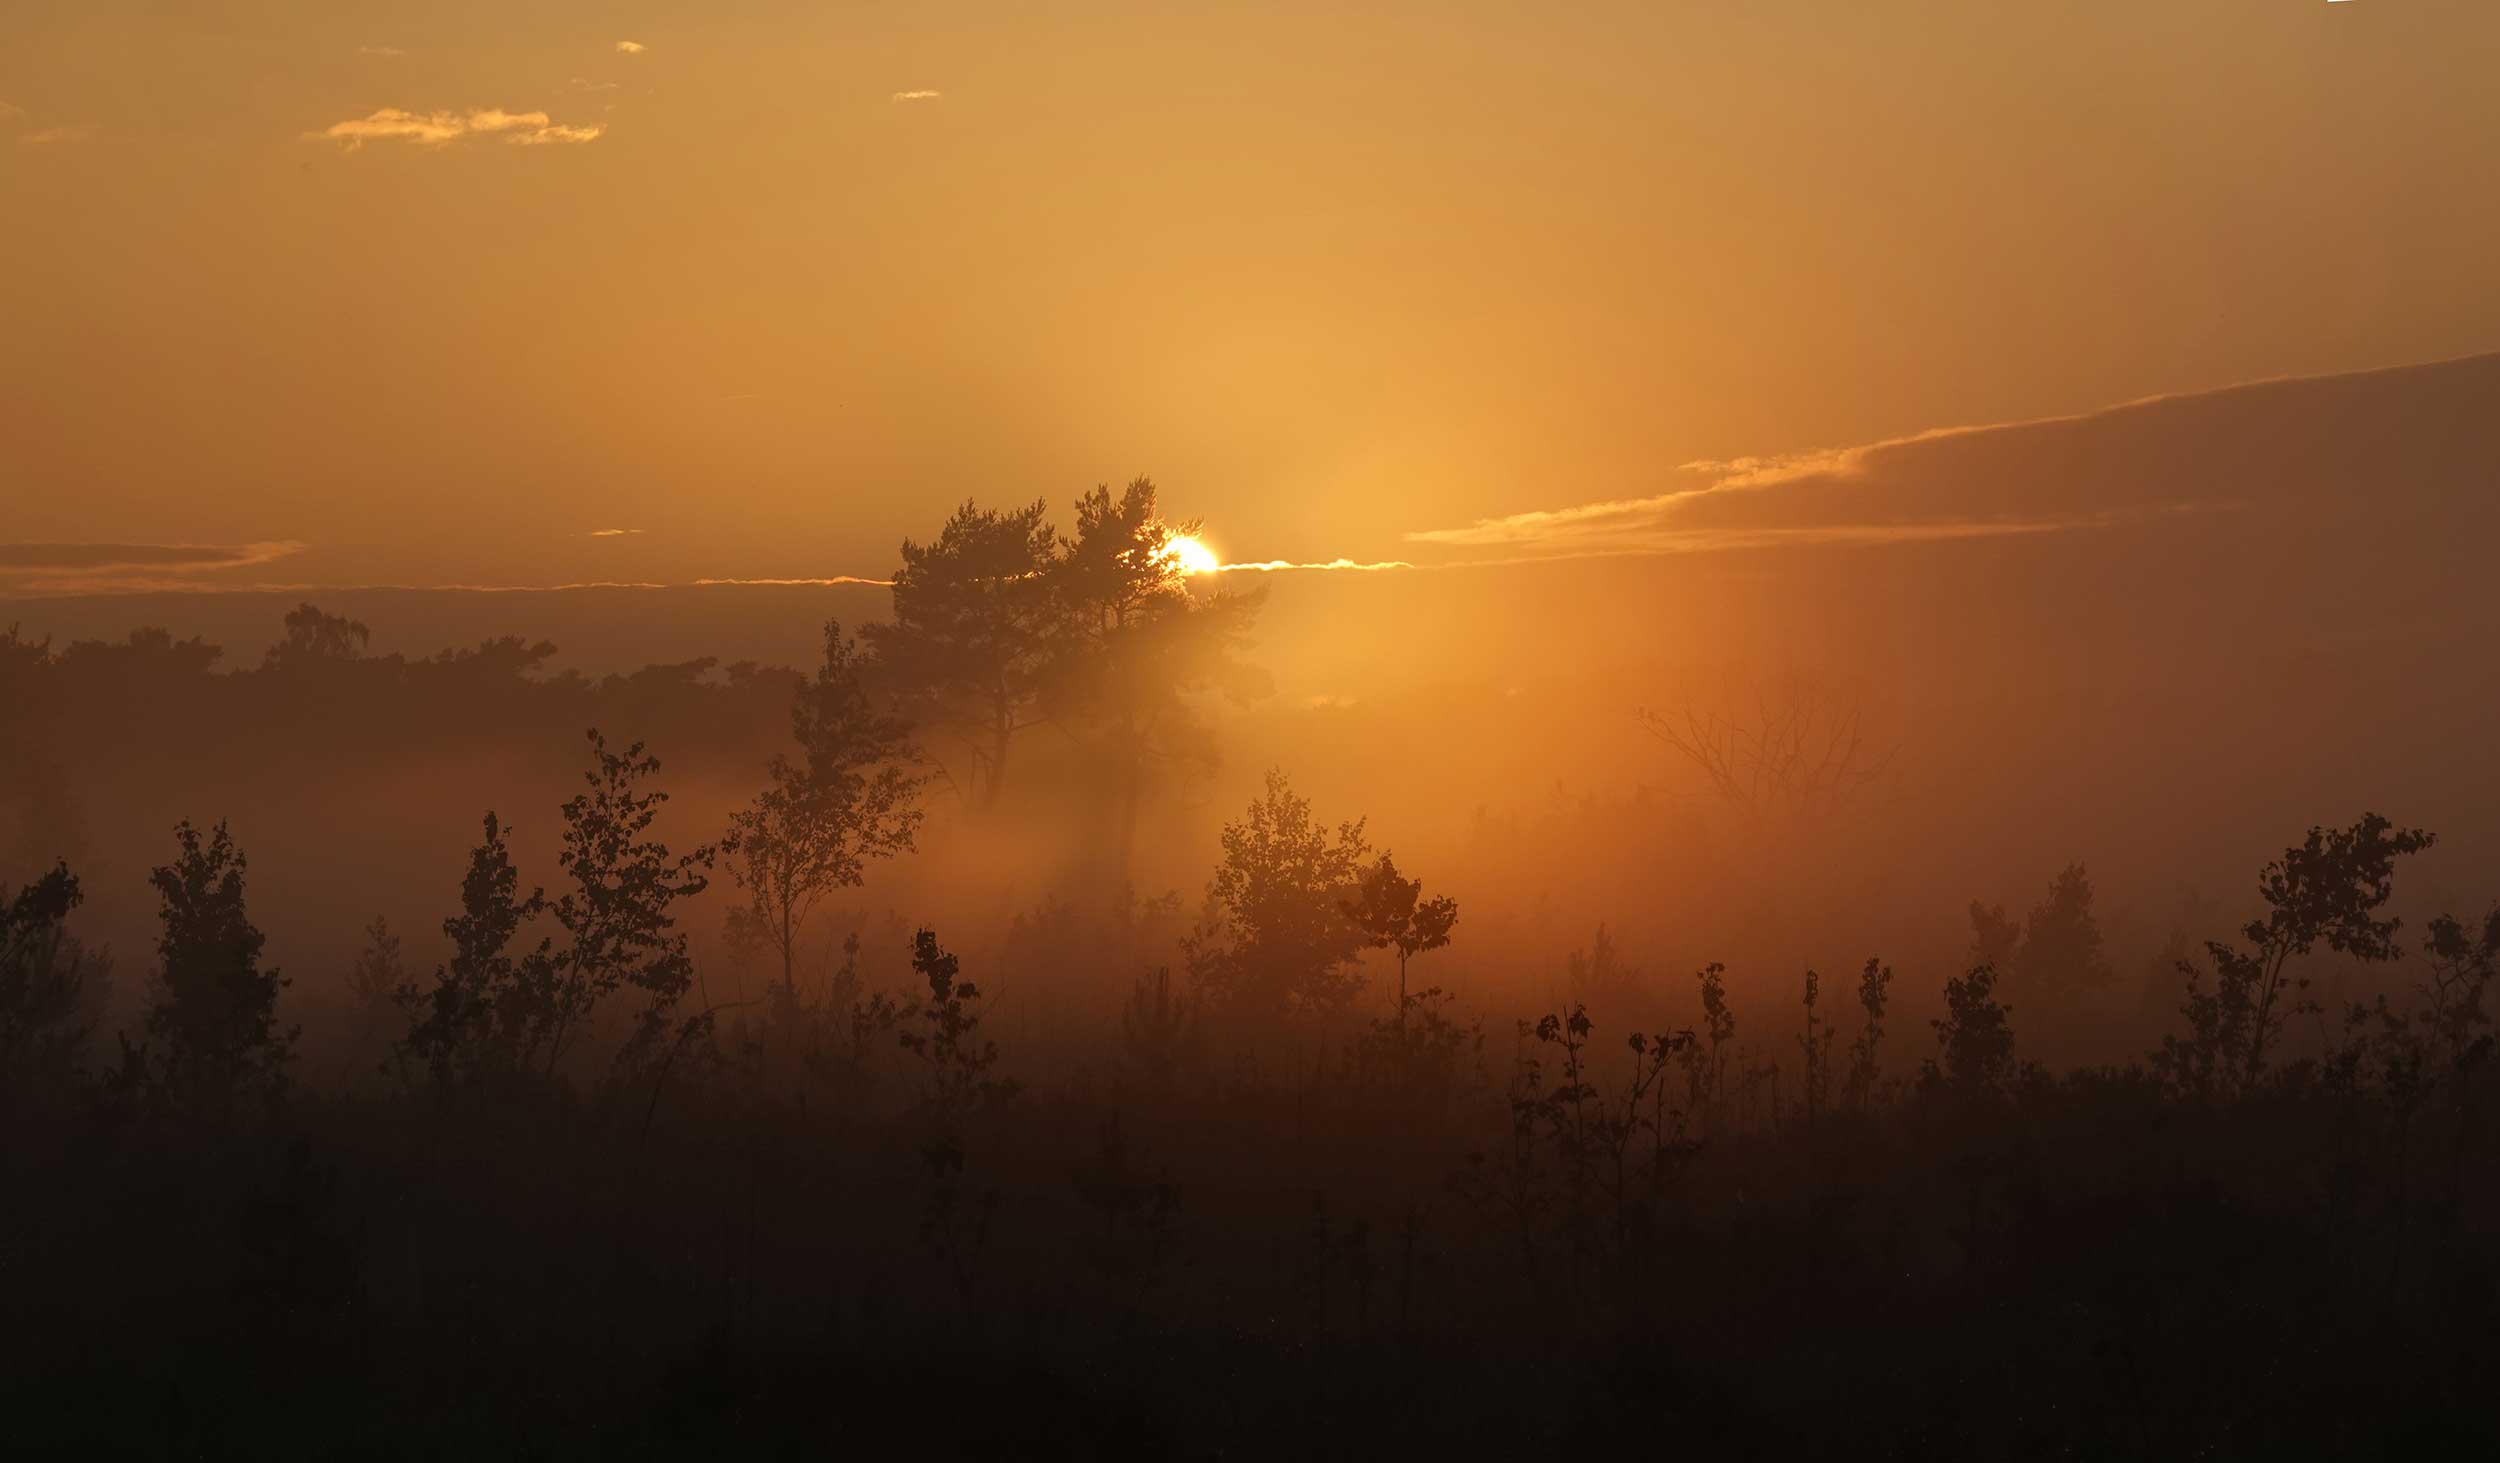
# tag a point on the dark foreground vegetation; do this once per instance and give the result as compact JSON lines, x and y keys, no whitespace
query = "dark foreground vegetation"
{"x":574,"y":1195}
{"x":844,"y":1213}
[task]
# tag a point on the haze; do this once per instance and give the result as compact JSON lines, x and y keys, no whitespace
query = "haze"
{"x":1094,"y":729}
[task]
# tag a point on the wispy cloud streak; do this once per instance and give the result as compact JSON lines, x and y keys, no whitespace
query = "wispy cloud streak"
{"x":1914,"y":489}
{"x":437,"y":129}
{"x":1280,"y":566}
{"x":29,"y":570}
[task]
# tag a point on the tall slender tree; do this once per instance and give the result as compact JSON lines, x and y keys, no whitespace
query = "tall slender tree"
{"x":970,"y":640}
{"x":618,"y":912}
{"x":216,"y":1009}
{"x":852,"y":797}
{"x":1140,"y":645}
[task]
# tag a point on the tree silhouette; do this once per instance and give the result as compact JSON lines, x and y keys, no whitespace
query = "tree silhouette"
{"x":618,"y":911}
{"x":48,"y":984}
{"x":1874,"y":993}
{"x":488,"y":1008}
{"x":313,"y":636}
{"x":1996,"y":939}
{"x":2054,"y":954}
{"x":2061,"y":950}
{"x":971,"y":636}
{"x":2327,"y":890}
{"x":1387,"y":913}
{"x":1139,"y":645}
{"x":1974,"y":1037}
{"x":215,"y":1008}
{"x":1276,"y":940}
{"x":813,"y":831}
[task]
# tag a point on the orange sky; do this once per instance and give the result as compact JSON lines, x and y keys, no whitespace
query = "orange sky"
{"x":1332,"y":278}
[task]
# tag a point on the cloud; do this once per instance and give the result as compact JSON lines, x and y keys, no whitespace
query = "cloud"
{"x":435,"y":129}
{"x":584,"y":84}
{"x":918,"y":96}
{"x":1278,"y":566}
{"x":827,"y":580}
{"x":1829,"y":535}
{"x":630,"y":48}
{"x":51,"y":136}
{"x":564,"y":588}
{"x":11,"y":112}
{"x":612,"y":532}
{"x":43,"y":569}
{"x":2013,"y":479}
{"x":380,"y":51}
{"x":544,"y":136}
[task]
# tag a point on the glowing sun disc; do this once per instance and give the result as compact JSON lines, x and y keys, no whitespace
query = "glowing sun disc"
{"x":1191,"y":556}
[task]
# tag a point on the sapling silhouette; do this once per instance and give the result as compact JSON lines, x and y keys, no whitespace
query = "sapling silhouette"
{"x":945,"y":1034}
{"x":850,"y":799}
{"x":618,"y":912}
{"x":490,"y":1008}
{"x":1391,"y":914}
{"x":1591,"y":1138}
{"x":373,"y":983}
{"x":1417,"y":1063}
{"x":1705,"y":1061}
{"x":2061,"y":950}
{"x":2463,"y":959}
{"x":1276,"y":940}
{"x":956,"y":1080}
{"x":1600,"y":977}
{"x":1138,"y":1204}
{"x":1874,"y":990}
{"x":1815,"y":1042}
{"x":1974,"y":1038}
{"x":1996,"y":940}
{"x":1157,"y":1028}
{"x":2327,"y":890}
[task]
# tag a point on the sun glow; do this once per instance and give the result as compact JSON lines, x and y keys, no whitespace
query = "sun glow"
{"x":1191,"y":556}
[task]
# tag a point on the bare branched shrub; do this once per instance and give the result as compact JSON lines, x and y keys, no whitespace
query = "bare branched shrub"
{"x":1790,"y":744}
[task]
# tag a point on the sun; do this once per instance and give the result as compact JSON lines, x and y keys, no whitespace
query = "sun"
{"x":1190,"y":556}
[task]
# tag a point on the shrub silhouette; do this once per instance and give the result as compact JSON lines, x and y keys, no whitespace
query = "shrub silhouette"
{"x":1974,"y":1038}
